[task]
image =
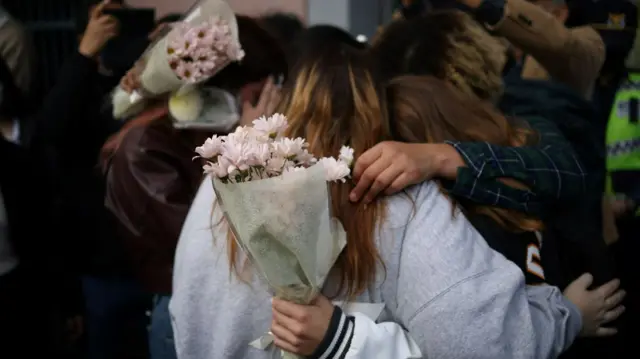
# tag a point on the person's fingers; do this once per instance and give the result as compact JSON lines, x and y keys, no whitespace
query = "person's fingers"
{"x":400,"y":183}
{"x":273,"y":102}
{"x":98,"y":9}
{"x":111,"y":25}
{"x":367,"y":159}
{"x":613,"y":314}
{"x":281,"y":331}
{"x":125,"y":86}
{"x":110,"y":34}
{"x":615,"y":299}
{"x":130,"y":82}
{"x":368,"y":178}
{"x":291,"y":310}
{"x":106,"y":20}
{"x":382,"y":181}
{"x":320,"y":300}
{"x":247,"y":106}
{"x":265,"y":94}
{"x":606,"y":332}
{"x":284,"y":345}
{"x":607,"y":289}
{"x":584,"y":281}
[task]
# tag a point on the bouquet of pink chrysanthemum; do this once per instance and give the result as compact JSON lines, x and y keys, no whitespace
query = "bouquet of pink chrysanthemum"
{"x":195,"y":53}
{"x":275,"y":199}
{"x":260,"y":151}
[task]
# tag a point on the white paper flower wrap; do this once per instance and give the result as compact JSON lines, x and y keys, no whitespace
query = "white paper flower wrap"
{"x":158,"y":77}
{"x":284,"y":226}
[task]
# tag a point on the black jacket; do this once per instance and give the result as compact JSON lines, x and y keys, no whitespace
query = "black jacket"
{"x":69,"y":130}
{"x":576,"y":225}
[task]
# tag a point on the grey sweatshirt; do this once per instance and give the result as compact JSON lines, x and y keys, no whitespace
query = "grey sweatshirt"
{"x":443,"y":286}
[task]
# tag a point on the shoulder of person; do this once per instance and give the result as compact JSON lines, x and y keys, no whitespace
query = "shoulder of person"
{"x":142,"y":140}
{"x":405,"y":205}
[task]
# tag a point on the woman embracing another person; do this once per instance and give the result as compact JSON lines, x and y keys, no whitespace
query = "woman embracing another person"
{"x":446,"y":293}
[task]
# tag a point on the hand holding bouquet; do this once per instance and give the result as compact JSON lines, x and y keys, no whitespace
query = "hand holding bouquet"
{"x":276,"y":202}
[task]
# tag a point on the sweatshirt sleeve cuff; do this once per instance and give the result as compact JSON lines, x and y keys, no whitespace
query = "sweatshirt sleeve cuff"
{"x":337,"y":340}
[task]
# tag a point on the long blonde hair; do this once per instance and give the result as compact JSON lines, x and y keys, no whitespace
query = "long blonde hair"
{"x":334,"y":100}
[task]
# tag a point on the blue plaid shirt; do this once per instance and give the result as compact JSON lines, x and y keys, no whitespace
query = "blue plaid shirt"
{"x":550,"y":169}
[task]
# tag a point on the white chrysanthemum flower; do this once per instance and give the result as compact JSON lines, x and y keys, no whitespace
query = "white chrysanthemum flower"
{"x":276,"y":165}
{"x":305,"y":158}
{"x":186,"y":107}
{"x":346,"y":155}
{"x":215,"y":170}
{"x":273,"y":126}
{"x":335,"y":170}
{"x":256,"y":154}
{"x":289,"y":148}
{"x":211,"y":148}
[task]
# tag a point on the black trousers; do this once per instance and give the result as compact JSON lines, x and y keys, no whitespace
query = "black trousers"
{"x":25,"y":318}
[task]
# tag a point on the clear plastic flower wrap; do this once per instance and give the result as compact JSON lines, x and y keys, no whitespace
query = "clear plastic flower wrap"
{"x":164,"y":68}
{"x":276,"y":201}
{"x":284,"y":226}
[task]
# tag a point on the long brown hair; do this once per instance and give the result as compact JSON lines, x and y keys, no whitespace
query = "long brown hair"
{"x":334,"y":101}
{"x":425,"y":109}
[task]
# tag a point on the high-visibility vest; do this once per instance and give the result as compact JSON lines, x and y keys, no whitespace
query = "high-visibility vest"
{"x":623,"y":130}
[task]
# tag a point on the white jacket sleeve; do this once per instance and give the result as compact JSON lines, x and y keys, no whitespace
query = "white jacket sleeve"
{"x":359,"y":337}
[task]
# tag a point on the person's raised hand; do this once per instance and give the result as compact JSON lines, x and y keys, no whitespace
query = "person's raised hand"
{"x":267,"y":102}
{"x":599,"y":306}
{"x":300,"y":329}
{"x":100,"y":29}
{"x":390,"y":167}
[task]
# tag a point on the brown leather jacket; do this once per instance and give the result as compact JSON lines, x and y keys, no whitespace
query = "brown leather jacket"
{"x":151,"y":180}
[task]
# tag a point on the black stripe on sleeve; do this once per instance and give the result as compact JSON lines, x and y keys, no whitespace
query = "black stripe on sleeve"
{"x":337,"y":340}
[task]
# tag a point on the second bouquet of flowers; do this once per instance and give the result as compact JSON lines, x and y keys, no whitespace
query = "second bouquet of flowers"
{"x":276,"y":201}
{"x":195,"y":49}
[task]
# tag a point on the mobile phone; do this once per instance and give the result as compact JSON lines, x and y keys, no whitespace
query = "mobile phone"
{"x":133,"y":22}
{"x":135,"y":25}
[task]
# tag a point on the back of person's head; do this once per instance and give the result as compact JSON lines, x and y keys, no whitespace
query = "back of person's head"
{"x":446,"y":44}
{"x":284,"y":26}
{"x":263,"y":57}
{"x":334,"y":101}
{"x":318,"y":37}
{"x":424,"y":109}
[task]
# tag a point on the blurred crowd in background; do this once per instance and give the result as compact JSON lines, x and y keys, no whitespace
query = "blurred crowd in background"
{"x":68,"y":285}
